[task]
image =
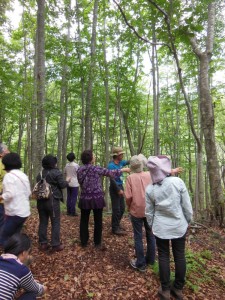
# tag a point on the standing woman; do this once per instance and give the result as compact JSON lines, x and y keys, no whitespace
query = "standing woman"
{"x":50,"y":209}
{"x":16,"y":192}
{"x":168,"y":212}
{"x":92,"y":195}
{"x":70,"y":172}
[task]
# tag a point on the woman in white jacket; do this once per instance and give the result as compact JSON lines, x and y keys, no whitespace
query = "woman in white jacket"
{"x":168,"y":212}
{"x":16,"y":192}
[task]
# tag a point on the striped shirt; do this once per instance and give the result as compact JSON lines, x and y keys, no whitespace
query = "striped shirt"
{"x":13,"y":276}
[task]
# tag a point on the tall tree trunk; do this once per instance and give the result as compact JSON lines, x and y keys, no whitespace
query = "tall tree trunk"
{"x":106,"y":84}
{"x":40,"y":81}
{"x":82,"y":126}
{"x":88,"y":120}
{"x":155,"y":93}
{"x":63,"y":98}
{"x":207,"y":114}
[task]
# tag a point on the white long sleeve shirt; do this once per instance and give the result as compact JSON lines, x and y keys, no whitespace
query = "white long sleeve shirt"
{"x":70,"y":171}
{"x":168,"y":208}
{"x":16,"y":192}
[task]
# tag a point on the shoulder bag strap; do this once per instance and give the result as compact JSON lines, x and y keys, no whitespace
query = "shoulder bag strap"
{"x":86,"y":174}
{"x":19,"y":179}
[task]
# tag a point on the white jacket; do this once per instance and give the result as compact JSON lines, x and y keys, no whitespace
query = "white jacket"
{"x":16,"y":192}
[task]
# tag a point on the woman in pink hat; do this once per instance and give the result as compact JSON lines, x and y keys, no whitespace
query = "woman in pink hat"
{"x":168,"y":212}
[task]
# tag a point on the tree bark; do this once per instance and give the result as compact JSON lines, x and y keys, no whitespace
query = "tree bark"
{"x":40,"y":81}
{"x":88,"y":119}
{"x":207,"y":114}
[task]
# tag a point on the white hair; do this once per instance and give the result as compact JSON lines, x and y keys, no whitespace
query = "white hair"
{"x":3,"y":148}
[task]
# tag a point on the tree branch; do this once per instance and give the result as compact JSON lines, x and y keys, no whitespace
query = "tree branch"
{"x":134,"y":30}
{"x":179,"y":71}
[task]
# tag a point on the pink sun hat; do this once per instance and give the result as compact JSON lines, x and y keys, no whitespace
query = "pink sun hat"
{"x":159,"y":167}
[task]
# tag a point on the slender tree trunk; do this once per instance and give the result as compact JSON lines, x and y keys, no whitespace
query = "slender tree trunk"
{"x":63,"y":99}
{"x":88,"y":121}
{"x":40,"y":81}
{"x":106,"y":84}
{"x":82,"y":81}
{"x":155,"y":94}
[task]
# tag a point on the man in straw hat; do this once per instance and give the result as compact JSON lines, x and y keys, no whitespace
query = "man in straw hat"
{"x":116,"y":190}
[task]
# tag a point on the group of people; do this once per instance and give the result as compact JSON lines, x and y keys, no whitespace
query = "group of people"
{"x":155,"y":200}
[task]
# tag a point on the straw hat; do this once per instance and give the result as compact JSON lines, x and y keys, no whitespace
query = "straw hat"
{"x":117,"y":151}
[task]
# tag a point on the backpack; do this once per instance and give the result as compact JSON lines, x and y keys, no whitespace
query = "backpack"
{"x":42,"y":189}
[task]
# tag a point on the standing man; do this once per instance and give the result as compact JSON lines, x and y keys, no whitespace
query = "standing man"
{"x":116,"y":190}
{"x":3,"y":151}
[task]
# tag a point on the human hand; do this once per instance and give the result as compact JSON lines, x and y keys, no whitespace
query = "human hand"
{"x":177,"y":170}
{"x":121,"y":192}
{"x":45,"y":289}
{"x":127,"y":170}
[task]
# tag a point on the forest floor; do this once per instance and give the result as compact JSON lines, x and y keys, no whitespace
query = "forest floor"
{"x":87,"y":273}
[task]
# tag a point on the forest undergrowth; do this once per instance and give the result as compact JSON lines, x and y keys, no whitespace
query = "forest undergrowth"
{"x":86,"y":273}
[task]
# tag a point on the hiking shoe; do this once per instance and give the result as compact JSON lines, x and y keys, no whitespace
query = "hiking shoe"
{"x":73,"y":214}
{"x":119,"y":232}
{"x":163,"y":295}
{"x":44,"y":247}
{"x":100,"y":247}
{"x":177,"y":294}
{"x":57,"y":248}
{"x":122,"y":228}
{"x":133,"y":265}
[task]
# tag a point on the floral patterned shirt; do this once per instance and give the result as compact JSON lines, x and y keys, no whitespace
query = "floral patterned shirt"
{"x":89,"y":178}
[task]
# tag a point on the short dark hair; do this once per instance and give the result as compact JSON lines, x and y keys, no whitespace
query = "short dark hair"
{"x":86,"y":156}
{"x":17,"y":243}
{"x":12,"y":161}
{"x":71,"y":156}
{"x":49,"y":161}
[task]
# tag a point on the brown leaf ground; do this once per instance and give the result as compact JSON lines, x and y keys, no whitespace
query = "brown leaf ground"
{"x":78,"y":273}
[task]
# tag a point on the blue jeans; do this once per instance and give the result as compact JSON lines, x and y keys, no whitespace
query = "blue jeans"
{"x":28,"y":296}
{"x":178,"y":248}
{"x":72,"y":193}
{"x":142,"y":260}
{"x":12,"y":224}
{"x":2,"y":215}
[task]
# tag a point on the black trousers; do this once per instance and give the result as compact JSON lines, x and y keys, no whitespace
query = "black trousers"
{"x":178,"y":248}
{"x":118,"y":208}
{"x":49,"y":209}
{"x":84,"y":222}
